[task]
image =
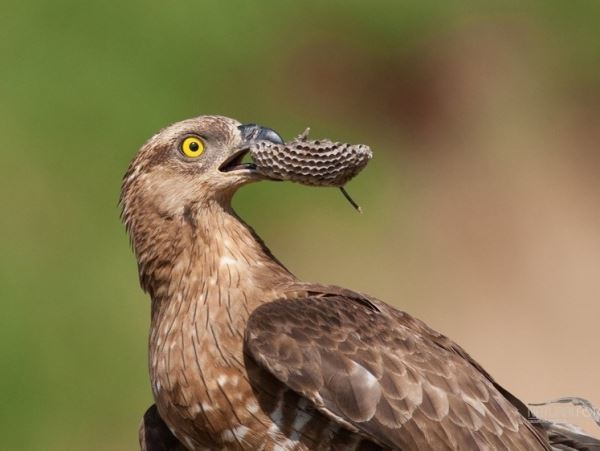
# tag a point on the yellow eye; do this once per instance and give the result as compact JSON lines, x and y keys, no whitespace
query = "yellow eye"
{"x":192,"y":147}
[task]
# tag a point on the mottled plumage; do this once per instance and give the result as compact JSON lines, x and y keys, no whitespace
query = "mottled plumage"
{"x":243,"y":355}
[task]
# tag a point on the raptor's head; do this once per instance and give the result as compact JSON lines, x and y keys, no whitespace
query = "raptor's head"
{"x":191,"y":162}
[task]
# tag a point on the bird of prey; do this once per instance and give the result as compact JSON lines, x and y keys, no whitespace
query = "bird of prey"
{"x":243,"y":355}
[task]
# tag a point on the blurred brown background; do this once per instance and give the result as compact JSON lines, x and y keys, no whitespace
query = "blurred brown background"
{"x":481,"y":205}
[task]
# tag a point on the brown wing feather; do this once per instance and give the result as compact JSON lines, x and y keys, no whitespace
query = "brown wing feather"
{"x":384,"y":374}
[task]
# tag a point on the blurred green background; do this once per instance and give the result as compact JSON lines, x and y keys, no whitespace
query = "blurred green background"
{"x":481,"y":206}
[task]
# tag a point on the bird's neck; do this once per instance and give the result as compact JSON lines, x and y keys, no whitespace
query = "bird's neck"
{"x":206,"y":251}
{"x":206,"y":271}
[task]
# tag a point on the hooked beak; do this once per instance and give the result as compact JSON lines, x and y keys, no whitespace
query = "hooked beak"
{"x":250,"y":133}
{"x":253,"y":132}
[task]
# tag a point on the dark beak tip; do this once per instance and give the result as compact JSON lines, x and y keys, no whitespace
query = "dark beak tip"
{"x":253,"y":132}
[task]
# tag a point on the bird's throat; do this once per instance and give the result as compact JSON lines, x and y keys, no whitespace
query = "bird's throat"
{"x":205,"y":245}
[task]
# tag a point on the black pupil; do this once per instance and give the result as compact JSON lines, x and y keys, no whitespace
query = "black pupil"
{"x":194,"y":146}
